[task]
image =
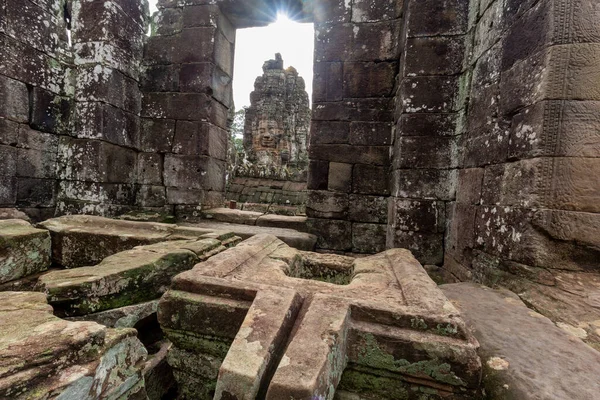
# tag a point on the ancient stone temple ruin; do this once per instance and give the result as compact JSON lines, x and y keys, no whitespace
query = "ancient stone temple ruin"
{"x":278,"y":119}
{"x":451,"y":243}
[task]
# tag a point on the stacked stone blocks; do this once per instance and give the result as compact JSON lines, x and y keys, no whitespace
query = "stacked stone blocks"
{"x":187,"y":96}
{"x":356,"y":62}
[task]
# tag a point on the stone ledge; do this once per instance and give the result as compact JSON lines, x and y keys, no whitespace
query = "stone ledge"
{"x":24,"y":250}
{"x":524,"y":354}
{"x":44,"y":356}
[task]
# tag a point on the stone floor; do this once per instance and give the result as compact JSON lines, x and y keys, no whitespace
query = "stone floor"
{"x":189,"y":311}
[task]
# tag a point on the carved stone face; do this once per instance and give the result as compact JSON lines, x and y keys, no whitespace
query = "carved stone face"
{"x":270,"y":134}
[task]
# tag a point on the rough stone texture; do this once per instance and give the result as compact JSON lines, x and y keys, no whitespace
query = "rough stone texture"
{"x":47,"y":357}
{"x":294,"y":238}
{"x":524,"y":355}
{"x":356,"y":64}
{"x":83,"y":240}
{"x":24,"y":250}
{"x":125,"y":278}
{"x":267,"y":191}
{"x":302,"y":325}
{"x":278,"y":119}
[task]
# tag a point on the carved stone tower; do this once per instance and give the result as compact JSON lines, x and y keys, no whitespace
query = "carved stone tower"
{"x":278,"y":119}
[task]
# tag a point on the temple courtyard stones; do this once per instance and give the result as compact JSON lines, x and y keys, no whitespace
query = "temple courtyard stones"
{"x":376,"y":326}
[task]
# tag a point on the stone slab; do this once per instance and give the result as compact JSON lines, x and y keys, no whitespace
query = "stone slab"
{"x":126,"y":278}
{"x":46,"y":357}
{"x":524,"y":355}
{"x":82,"y":240}
{"x":232,"y":216}
{"x":297,"y":223}
{"x":301,"y":325}
{"x":24,"y":250}
{"x":293,"y":238}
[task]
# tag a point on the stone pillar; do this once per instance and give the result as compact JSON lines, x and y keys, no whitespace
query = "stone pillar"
{"x":356,"y":63}
{"x":529,"y":190}
{"x":98,"y":161}
{"x":429,"y":114}
{"x":187,"y":96}
{"x":34,"y":102}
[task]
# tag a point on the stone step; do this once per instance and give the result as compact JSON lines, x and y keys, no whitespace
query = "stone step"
{"x":24,"y":250}
{"x":291,"y":237}
{"x":235,"y":216}
{"x":82,"y":240}
{"x":129,"y":277}
{"x":44,"y":356}
{"x":524,"y":355}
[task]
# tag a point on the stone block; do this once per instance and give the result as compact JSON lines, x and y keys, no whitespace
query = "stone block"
{"x":206,"y":78}
{"x":156,"y":135}
{"x":151,"y":196}
{"x":434,"y":55}
{"x":469,"y":188}
{"x":534,"y":79}
{"x":487,"y":148}
{"x":332,"y":11}
{"x":25,"y":250}
{"x":429,"y":94}
{"x":343,"y":153}
{"x":201,"y":15}
{"x":424,"y":183}
{"x":97,"y":120}
{"x":328,"y":81}
{"x":427,"y":124}
{"x":427,"y":152}
{"x":374,"y":11}
{"x":185,"y":196}
{"x":417,"y":215}
{"x":370,"y":133}
{"x":95,"y":161}
{"x":369,"y":110}
{"x":126,"y":278}
{"x":33,"y":192}
{"x":370,"y":179}
{"x":556,"y":128}
{"x":36,"y":154}
{"x":185,"y":106}
{"x":168,"y":21}
{"x":192,"y":45}
{"x":460,"y":237}
{"x":323,"y":204}
{"x":8,"y":189}
{"x":191,"y":315}
{"x":160,"y":78}
{"x":200,"y":138}
{"x":329,"y":132}
{"x":432,"y":18}
{"x":113,"y":369}
{"x":428,"y":248}
{"x":9,"y":131}
{"x":331,"y":234}
{"x":369,"y":79}
{"x":149,"y":169}
{"x":104,"y":84}
{"x":194,"y":172}
{"x":318,"y":174}
{"x":340,"y":177}
{"x":371,"y":209}
{"x":97,"y":21}
{"x":49,"y":113}
{"x":14,"y":103}
{"x":368,"y":238}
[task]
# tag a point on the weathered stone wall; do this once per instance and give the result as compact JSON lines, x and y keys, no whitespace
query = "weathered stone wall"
{"x":356,"y":62}
{"x":428,"y":122}
{"x":34,"y":102}
{"x":187,"y":96}
{"x":98,"y":162}
{"x":269,"y":191}
{"x":528,"y":192}
{"x":278,"y":119}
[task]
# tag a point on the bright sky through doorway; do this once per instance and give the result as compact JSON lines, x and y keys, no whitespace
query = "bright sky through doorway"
{"x":254,"y":46}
